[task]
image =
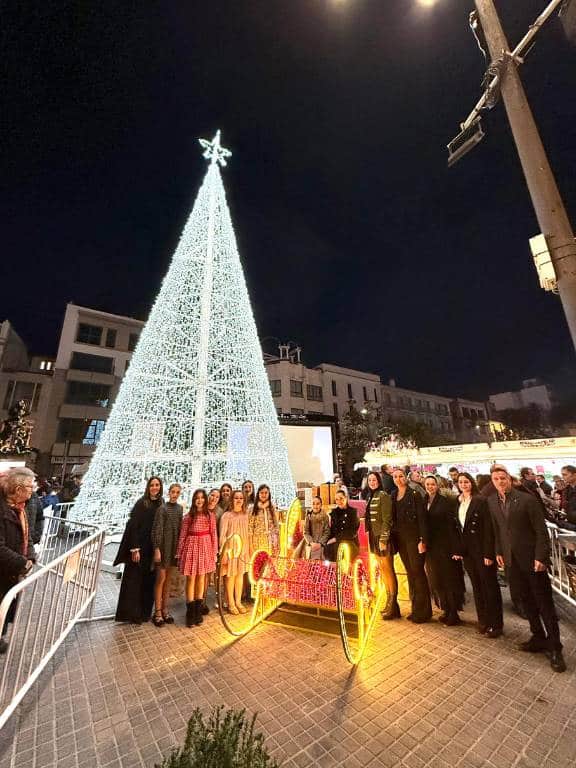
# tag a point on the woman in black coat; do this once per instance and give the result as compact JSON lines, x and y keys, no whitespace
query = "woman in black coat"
{"x":136,"y":552}
{"x":344,"y":525}
{"x":478,"y":551}
{"x":409,"y":537}
{"x":444,"y":572}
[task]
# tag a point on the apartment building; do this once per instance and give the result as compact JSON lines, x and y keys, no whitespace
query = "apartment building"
{"x":93,"y":354}
{"x":332,"y":389}
{"x":26,"y":378}
{"x":471,"y":421}
{"x":70,"y":396}
{"x":532,"y":392}
{"x":432,"y":410}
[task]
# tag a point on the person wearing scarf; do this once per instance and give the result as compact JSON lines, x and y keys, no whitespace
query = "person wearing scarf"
{"x":16,"y":548}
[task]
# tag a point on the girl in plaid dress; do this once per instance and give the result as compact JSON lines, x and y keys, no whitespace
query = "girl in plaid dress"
{"x":197,"y":552}
{"x":235,"y":551}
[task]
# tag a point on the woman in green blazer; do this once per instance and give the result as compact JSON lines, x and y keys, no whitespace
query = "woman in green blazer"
{"x":378,"y":523}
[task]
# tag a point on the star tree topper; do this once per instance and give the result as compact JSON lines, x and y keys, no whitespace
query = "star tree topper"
{"x":214,"y":151}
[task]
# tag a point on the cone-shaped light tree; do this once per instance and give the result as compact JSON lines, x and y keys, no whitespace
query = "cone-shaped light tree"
{"x":195,"y":405}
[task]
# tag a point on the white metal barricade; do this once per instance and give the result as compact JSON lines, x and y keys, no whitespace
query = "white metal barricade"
{"x":59,"y":534}
{"x":563,"y":544}
{"x":46,"y":606}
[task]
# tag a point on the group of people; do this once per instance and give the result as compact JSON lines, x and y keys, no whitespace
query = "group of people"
{"x":439,"y":530}
{"x":436,"y":533}
{"x":161,"y":539}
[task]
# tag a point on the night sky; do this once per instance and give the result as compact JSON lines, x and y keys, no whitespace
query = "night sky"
{"x":357,"y":241}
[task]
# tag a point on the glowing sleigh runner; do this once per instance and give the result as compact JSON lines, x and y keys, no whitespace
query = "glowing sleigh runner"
{"x":314,"y":595}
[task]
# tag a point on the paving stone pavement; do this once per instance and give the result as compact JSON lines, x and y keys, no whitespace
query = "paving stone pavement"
{"x":119,"y":696}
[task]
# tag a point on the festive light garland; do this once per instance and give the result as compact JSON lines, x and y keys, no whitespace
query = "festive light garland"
{"x":195,"y":404}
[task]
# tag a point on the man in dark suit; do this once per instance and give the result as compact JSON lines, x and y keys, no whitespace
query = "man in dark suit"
{"x":387,"y":481}
{"x":523,"y":544}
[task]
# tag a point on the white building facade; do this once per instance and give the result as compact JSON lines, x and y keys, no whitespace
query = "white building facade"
{"x":70,"y":397}
{"x":533,"y":392}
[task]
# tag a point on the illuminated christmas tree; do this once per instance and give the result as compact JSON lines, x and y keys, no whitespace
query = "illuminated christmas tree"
{"x":195,"y":404}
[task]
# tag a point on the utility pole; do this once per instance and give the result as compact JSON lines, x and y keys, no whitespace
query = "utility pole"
{"x":548,"y":205}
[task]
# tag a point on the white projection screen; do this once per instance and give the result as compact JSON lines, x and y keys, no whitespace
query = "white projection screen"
{"x":310,"y":452}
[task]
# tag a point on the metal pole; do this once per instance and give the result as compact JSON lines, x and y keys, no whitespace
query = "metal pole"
{"x":548,"y":205}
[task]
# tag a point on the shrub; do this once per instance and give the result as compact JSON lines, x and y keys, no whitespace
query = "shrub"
{"x":225,"y":740}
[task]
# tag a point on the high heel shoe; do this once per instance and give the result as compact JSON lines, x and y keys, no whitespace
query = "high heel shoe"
{"x":158,"y":619}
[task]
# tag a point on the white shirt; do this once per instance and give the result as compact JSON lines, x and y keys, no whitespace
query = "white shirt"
{"x":463,"y":510}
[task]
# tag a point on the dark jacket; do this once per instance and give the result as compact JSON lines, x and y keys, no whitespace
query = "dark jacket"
{"x":410,"y":518}
{"x":344,"y":524}
{"x":521,"y":531}
{"x":387,"y":482}
{"x":12,"y":557}
{"x":478,"y":536}
{"x":138,"y":532}
{"x":379,"y":524}
{"x":35,"y":514}
{"x":444,"y":534}
{"x":569,"y":503}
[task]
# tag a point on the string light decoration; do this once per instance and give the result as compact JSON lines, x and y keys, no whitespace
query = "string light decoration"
{"x":195,"y":405}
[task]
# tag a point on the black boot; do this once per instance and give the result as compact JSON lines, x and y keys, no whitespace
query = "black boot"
{"x":198,"y":618}
{"x":391,"y":610}
{"x":190,"y":614}
{"x":204,"y":610}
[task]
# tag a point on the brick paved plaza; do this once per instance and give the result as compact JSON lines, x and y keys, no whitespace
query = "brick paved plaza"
{"x":426,"y":695}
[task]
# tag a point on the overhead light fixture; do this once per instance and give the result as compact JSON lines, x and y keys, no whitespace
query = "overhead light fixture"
{"x":465,"y":141}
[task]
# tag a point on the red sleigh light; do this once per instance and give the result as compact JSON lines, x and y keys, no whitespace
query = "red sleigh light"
{"x":350,"y":587}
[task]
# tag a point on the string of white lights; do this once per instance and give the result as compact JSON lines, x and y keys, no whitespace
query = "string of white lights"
{"x":195,"y":404}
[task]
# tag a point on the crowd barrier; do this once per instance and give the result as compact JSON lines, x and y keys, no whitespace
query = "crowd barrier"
{"x":59,"y":534}
{"x":563,"y":571}
{"x":42,"y":609}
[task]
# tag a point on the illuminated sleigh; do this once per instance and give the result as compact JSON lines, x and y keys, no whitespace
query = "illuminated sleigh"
{"x":342,"y":597}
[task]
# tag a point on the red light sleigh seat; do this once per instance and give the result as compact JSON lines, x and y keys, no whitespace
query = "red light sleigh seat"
{"x":311,"y":594}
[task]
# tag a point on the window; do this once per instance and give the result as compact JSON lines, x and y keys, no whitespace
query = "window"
{"x":94,"y":363}
{"x":276,"y":387}
{"x":85,"y":431}
{"x":335,"y":409}
{"x":132,"y":341}
{"x":350,"y":395}
{"x":88,"y":393}
{"x":22,"y":390}
{"x":314,"y":393}
{"x":466,"y":413}
{"x":334,"y":390}
{"x":297,"y":411}
{"x":94,"y":432}
{"x":375,"y":395}
{"x":365,"y":393}
{"x":296,"y":389}
{"x":279,"y":411}
{"x":89,"y":334}
{"x":111,"y":338}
